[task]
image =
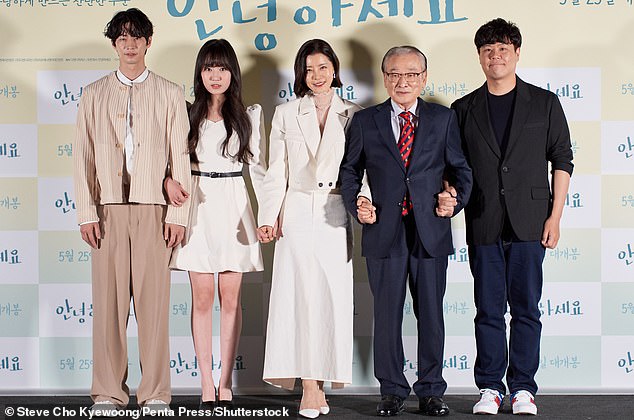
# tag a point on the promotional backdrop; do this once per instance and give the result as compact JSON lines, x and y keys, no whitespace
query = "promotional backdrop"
{"x":579,"y":49}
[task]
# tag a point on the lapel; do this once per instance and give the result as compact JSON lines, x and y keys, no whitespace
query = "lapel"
{"x":520,"y":113}
{"x":480,"y":113}
{"x":335,"y":126}
{"x":307,"y":121}
{"x":383,"y":121}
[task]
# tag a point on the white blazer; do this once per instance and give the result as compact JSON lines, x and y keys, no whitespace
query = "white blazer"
{"x":300,"y":157}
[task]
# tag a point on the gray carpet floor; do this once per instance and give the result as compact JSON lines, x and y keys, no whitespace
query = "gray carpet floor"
{"x":348,"y":407}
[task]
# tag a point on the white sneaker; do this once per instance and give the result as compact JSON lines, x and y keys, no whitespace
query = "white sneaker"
{"x":523,"y":402}
{"x":490,"y":402}
{"x":103,"y":409}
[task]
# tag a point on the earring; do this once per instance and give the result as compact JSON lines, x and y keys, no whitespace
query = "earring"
{"x":334,"y":75}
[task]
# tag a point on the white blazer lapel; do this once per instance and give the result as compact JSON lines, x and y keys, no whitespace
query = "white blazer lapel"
{"x":336,"y":122}
{"x":307,"y":121}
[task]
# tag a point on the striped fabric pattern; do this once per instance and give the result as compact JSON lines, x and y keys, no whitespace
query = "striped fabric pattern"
{"x":405,"y":140}
{"x":160,"y":127}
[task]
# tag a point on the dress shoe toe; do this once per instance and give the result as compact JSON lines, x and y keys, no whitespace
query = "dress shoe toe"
{"x":433,"y":406}
{"x":390,"y":405}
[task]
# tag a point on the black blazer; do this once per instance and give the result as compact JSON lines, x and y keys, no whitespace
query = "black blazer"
{"x":516,"y":183}
{"x":371,"y":146}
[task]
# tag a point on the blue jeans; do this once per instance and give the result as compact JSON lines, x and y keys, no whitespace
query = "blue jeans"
{"x":507,"y":273}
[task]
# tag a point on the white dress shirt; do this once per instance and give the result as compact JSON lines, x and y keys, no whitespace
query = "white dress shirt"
{"x":128,"y":150}
{"x":397,"y":121}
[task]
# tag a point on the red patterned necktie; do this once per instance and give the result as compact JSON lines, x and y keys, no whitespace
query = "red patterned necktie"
{"x":405,"y":141}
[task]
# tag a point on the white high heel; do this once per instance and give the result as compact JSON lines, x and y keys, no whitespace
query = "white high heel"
{"x":325,"y":409}
{"x":309,"y":413}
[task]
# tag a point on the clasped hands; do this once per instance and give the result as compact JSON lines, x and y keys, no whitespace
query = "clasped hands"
{"x":174,"y":234}
{"x":267,"y":233}
{"x":366,"y":212}
{"x":447,"y":201}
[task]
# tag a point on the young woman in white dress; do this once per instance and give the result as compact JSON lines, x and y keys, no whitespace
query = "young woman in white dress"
{"x":309,"y":331}
{"x":221,"y":235}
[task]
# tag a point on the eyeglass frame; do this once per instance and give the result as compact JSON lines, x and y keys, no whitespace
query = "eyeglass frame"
{"x":397,"y":76}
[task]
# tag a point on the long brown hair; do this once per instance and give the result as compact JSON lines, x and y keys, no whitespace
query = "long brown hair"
{"x":219,"y":53}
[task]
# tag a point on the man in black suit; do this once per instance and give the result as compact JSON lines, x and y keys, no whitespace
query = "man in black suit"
{"x":511,"y":131}
{"x":405,"y":145}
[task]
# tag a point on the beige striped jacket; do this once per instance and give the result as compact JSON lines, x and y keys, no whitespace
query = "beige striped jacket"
{"x":160,"y":127}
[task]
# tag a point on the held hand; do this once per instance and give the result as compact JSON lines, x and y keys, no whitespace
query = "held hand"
{"x":175,"y":192}
{"x":550,"y":236}
{"x":265,"y":234}
{"x":366,"y":212}
{"x":174,"y":234}
{"x":90,"y":233}
{"x":446,"y":204}
{"x":277,"y":229}
{"x":446,"y":201}
{"x":449,"y":188}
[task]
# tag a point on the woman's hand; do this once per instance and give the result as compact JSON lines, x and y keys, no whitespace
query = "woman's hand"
{"x":175,"y":192}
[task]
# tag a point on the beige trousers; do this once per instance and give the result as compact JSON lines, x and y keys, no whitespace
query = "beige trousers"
{"x":131,"y":260}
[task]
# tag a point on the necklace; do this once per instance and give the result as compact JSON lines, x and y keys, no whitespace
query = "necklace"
{"x":328,"y":92}
{"x":323,"y":100}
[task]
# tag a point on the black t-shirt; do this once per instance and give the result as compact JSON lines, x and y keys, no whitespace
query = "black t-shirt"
{"x":501,"y":115}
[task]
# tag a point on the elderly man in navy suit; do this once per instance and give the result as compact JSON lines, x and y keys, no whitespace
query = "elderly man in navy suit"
{"x":406,"y":146}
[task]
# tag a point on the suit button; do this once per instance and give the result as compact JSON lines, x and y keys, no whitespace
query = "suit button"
{"x":407,"y":180}
{"x":321,"y":184}
{"x":505,"y":169}
{"x":502,"y":191}
{"x":330,"y":184}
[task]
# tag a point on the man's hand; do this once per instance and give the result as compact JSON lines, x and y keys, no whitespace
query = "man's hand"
{"x":90,"y":233}
{"x":173,"y":234}
{"x":366,"y":212}
{"x":550,"y":235}
{"x":447,"y":201}
{"x":175,"y":192}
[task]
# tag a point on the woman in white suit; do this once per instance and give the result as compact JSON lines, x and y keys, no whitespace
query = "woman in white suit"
{"x":309,"y":332}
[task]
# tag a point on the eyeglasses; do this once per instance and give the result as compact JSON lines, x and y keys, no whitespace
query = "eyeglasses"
{"x":409,"y":77}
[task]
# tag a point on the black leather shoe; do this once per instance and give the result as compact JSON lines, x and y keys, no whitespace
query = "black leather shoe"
{"x":226,"y":404}
{"x":390,"y":405}
{"x":433,"y":406}
{"x":207,"y":405}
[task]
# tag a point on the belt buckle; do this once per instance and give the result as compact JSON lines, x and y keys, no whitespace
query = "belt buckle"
{"x":213,"y":174}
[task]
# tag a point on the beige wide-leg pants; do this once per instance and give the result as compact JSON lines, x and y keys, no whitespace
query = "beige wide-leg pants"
{"x":132,"y":260}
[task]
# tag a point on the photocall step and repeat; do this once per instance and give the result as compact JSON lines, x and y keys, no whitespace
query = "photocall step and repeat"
{"x":579,"y":49}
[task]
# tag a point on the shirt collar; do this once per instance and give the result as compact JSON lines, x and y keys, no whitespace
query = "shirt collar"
{"x":397,"y":109}
{"x":123,"y":79}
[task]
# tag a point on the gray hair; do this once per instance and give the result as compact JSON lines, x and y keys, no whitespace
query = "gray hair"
{"x":402,"y":50}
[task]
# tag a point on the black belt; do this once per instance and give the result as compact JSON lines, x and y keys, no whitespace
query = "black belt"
{"x":217,"y":174}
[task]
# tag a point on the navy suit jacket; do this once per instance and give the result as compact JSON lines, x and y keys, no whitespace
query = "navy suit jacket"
{"x":436,"y":152}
